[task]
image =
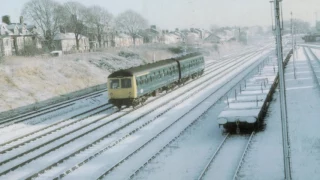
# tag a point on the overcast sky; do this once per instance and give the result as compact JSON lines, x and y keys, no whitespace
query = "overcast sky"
{"x":192,"y":13}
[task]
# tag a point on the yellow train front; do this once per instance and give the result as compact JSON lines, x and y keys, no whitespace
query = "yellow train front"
{"x":133,"y":86}
{"x":122,"y":88}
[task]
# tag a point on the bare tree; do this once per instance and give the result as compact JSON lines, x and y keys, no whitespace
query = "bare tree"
{"x":45,"y":14}
{"x":74,"y":14}
{"x":99,"y":20}
{"x":131,"y":22}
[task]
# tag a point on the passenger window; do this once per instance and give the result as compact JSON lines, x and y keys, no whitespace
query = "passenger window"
{"x":114,"y":84}
{"x":125,"y":83}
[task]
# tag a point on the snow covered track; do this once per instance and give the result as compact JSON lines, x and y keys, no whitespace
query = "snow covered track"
{"x":216,"y":153}
{"x":49,"y":112}
{"x":219,"y":167}
{"x":307,"y":53}
{"x":112,"y":139}
{"x":26,"y":116}
{"x":138,"y":128}
{"x":50,"y":132}
{"x":243,"y":156}
{"x":212,"y":158}
{"x":158,"y":137}
{"x":104,"y":107}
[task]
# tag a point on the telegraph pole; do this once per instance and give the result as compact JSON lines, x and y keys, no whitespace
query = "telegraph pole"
{"x":292,"y":42}
{"x":283,"y":106}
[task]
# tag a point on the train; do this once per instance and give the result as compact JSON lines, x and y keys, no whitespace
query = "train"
{"x":133,"y":86}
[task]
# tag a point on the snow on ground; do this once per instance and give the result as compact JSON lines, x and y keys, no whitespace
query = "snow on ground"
{"x":26,"y":80}
{"x":101,"y":161}
{"x":303,"y":101}
{"x":36,"y":123}
{"x":193,"y":148}
{"x":97,"y":134}
{"x":265,"y":160}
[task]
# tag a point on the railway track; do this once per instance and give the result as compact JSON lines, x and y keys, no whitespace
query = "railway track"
{"x":55,"y":124}
{"x":23,"y":117}
{"x":51,"y":126}
{"x":33,"y":159}
{"x":207,"y":166}
{"x":232,"y":149}
{"x":65,"y":125}
{"x":307,"y":53}
{"x":110,"y":169}
{"x":112,"y":144}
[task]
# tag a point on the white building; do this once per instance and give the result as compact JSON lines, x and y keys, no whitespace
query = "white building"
{"x":5,"y":41}
{"x":171,"y":38}
{"x":66,"y":42}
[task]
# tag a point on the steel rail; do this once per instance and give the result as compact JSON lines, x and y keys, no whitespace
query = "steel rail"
{"x":82,"y":149}
{"x":243,"y":155}
{"x":6,"y":120}
{"x":148,"y":142}
{"x":173,"y":140}
{"x":25,"y":135}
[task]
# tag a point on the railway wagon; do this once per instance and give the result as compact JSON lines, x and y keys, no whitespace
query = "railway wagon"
{"x":133,"y":86}
{"x":248,"y":109}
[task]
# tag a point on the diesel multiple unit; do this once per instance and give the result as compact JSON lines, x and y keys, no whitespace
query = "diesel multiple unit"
{"x":133,"y":86}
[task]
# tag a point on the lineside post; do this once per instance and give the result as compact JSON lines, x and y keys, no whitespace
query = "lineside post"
{"x":283,"y":105}
{"x":293,"y":56}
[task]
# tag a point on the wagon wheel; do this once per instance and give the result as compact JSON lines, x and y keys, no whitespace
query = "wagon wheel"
{"x":119,"y":107}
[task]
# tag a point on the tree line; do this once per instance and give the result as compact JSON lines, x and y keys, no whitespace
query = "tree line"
{"x":52,"y":17}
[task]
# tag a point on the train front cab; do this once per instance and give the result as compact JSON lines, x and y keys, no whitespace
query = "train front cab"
{"x":122,"y":91}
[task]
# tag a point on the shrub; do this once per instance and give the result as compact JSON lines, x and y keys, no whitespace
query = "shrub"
{"x":128,"y":55}
{"x":176,"y":50}
{"x":31,"y":50}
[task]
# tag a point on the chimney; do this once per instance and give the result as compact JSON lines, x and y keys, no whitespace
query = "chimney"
{"x":21,"y":20}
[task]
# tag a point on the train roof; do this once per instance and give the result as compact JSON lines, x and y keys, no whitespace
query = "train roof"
{"x":151,"y":66}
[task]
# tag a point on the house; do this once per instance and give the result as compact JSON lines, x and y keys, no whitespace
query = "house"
{"x":20,"y":37}
{"x":193,"y":38}
{"x":5,"y":41}
{"x":138,"y":40}
{"x":122,"y":40}
{"x":66,"y":42}
{"x":171,"y":38}
{"x":5,"y":46}
{"x":212,"y":38}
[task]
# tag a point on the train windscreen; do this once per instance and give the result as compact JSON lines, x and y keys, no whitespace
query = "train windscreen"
{"x":125,"y":83}
{"x":115,"y":84}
